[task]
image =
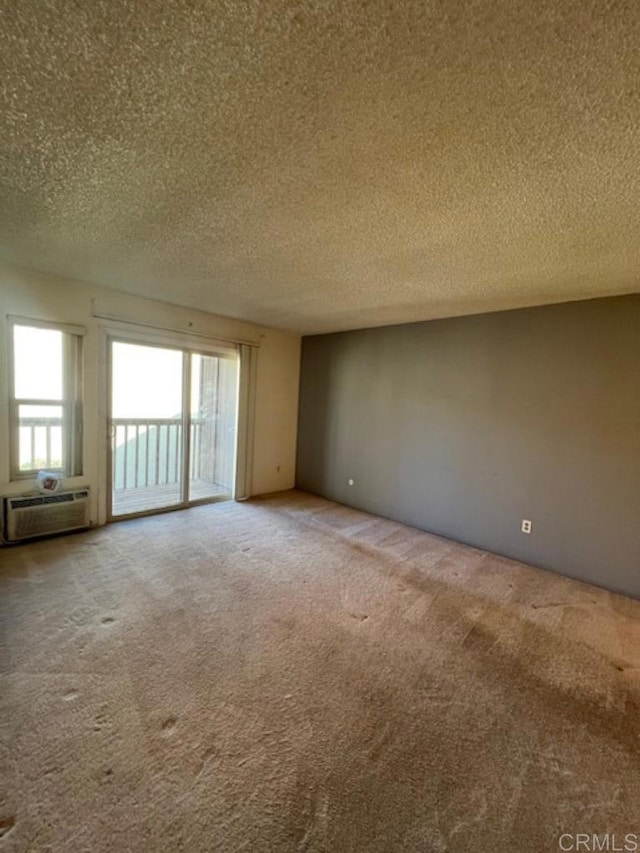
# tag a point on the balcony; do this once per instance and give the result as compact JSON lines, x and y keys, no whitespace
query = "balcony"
{"x":147,"y":460}
{"x":40,"y":443}
{"x":147,"y":464}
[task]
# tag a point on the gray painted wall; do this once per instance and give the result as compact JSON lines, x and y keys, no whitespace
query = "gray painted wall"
{"x":465,"y":426}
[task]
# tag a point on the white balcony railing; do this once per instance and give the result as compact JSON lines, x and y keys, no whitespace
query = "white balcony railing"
{"x":149,"y":452}
{"x":40,"y":443}
{"x":145,"y":452}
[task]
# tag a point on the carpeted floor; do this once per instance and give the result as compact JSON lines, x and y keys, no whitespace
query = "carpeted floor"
{"x":291,"y":675}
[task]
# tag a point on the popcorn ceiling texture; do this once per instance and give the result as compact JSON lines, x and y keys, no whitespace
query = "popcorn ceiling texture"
{"x":325,"y":165}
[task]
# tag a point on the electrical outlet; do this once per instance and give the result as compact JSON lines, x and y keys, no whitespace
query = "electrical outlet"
{"x":351,"y":482}
{"x":526,"y":525}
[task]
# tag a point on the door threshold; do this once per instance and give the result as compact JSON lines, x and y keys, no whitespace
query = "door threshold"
{"x":130,"y":516}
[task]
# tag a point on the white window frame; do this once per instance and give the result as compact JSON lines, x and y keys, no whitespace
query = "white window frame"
{"x":71,"y":402}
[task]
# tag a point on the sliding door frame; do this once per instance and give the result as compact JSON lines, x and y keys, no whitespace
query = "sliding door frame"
{"x":188,"y":346}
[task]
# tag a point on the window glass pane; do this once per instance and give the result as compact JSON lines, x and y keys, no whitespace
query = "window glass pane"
{"x":37,"y":359}
{"x":214,"y":386}
{"x":40,"y":437}
{"x":147,"y":382}
{"x":146,"y":427}
{"x":196,"y":369}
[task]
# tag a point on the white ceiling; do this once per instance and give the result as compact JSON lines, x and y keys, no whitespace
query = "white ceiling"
{"x":325,"y":165}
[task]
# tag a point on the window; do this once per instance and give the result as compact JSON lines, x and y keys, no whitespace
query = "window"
{"x":45,"y":405}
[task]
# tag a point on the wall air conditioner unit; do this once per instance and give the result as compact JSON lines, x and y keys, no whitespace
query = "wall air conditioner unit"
{"x":29,"y":516}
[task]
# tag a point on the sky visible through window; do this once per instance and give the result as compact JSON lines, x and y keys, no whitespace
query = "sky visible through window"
{"x":38,"y":363}
{"x":147,"y":383}
{"x":38,"y":371}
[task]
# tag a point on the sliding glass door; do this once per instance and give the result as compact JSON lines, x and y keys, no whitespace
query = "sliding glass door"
{"x":173,"y":426}
{"x":213,"y":407}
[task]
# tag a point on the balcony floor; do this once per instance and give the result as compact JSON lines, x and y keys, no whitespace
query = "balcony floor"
{"x":147,"y":498}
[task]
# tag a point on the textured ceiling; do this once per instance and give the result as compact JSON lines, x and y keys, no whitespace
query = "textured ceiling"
{"x":324,"y":165}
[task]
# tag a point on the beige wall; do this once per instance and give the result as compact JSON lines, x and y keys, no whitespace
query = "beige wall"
{"x":29,"y":294}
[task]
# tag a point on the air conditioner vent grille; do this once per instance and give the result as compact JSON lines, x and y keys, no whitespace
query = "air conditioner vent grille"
{"x":43,"y":500}
{"x":39,"y":515}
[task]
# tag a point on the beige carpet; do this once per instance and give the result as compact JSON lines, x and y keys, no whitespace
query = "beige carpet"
{"x":291,"y":675}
